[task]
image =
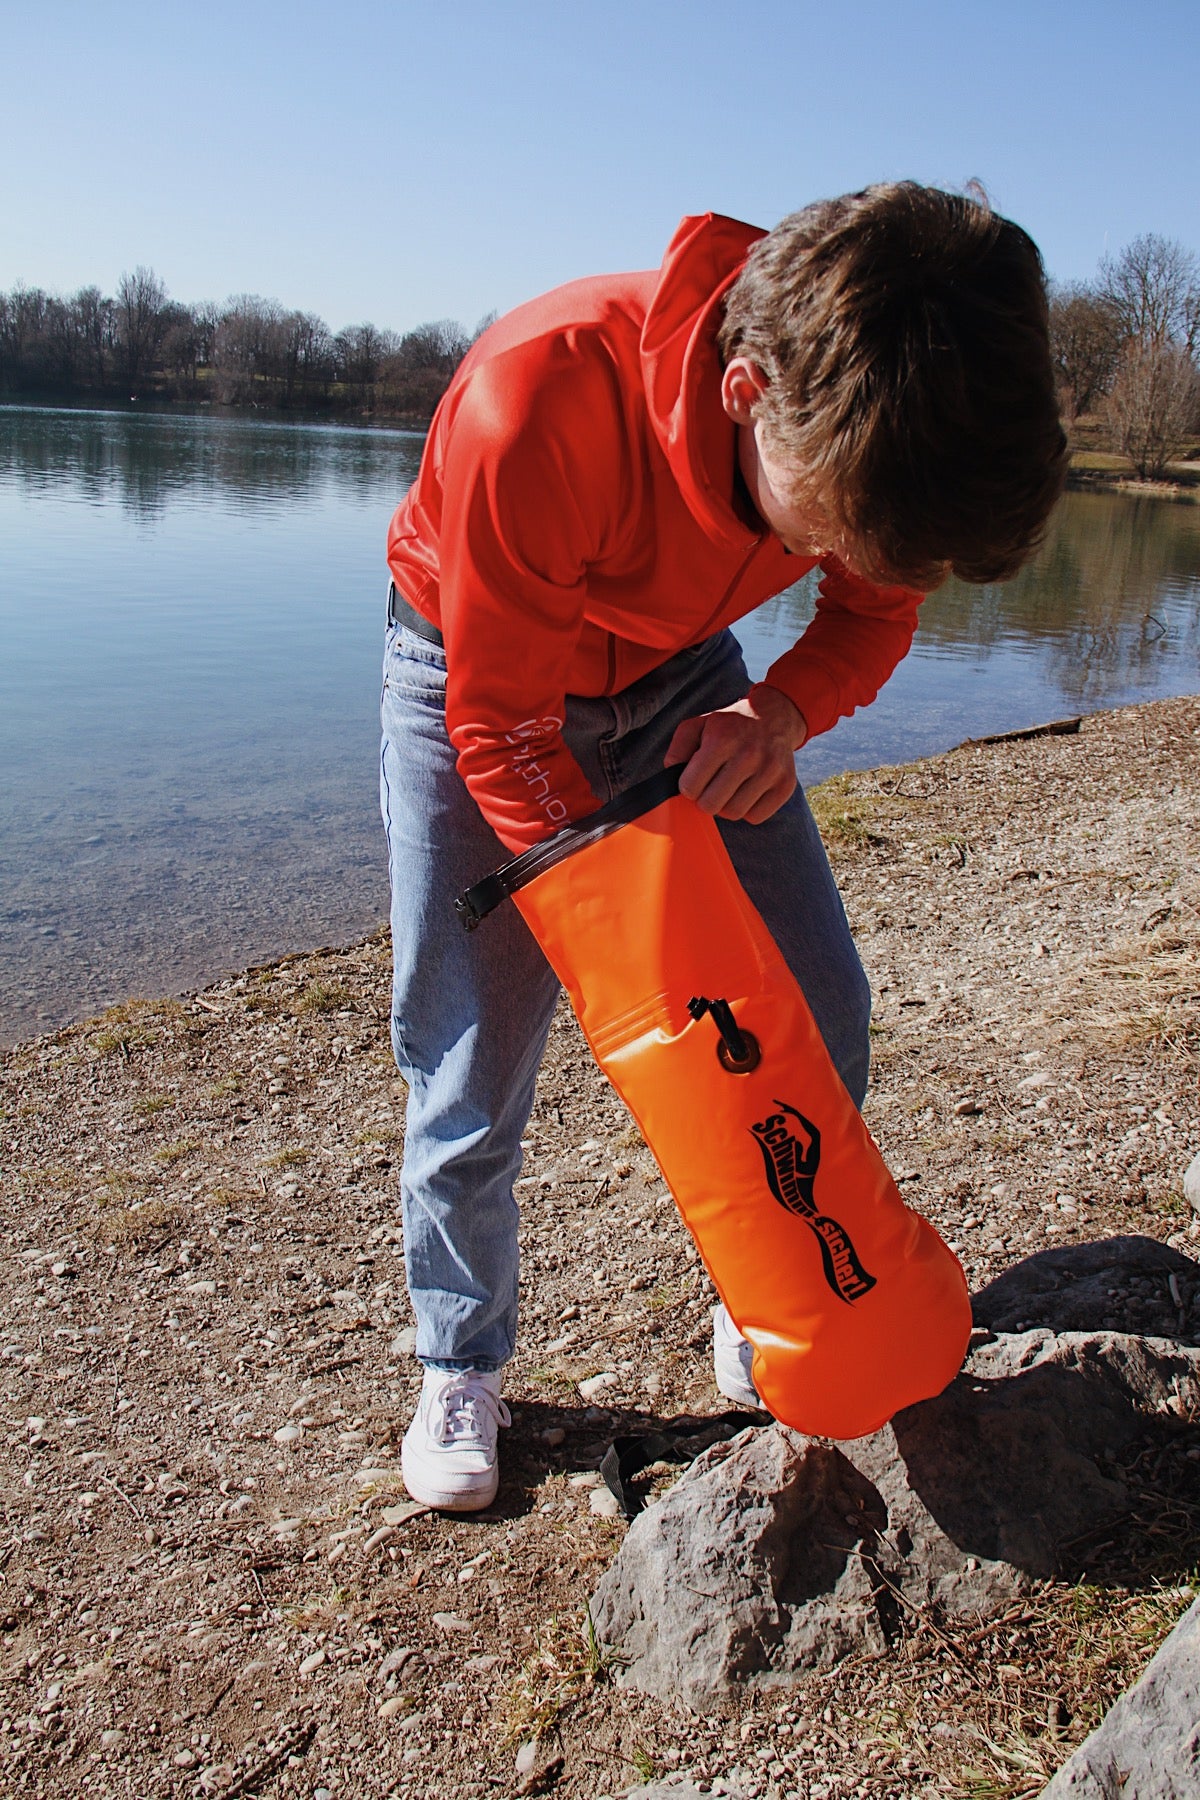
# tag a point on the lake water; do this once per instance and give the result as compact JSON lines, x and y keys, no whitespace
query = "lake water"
{"x":191,"y":615}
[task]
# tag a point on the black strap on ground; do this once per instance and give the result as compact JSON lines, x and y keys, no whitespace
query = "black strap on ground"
{"x":486,"y":895}
{"x":680,"y":1442}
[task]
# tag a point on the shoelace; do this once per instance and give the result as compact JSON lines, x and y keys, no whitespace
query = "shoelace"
{"x":465,"y":1412}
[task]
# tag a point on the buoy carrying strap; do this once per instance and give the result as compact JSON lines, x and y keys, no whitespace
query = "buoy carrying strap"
{"x":486,"y":895}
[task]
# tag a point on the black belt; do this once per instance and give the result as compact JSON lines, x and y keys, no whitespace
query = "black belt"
{"x":401,"y":613}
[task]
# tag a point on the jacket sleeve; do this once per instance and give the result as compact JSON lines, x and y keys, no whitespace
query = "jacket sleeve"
{"x":521,"y":519}
{"x":856,"y":638}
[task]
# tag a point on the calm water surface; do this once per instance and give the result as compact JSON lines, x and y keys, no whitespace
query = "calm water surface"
{"x":190,"y":632}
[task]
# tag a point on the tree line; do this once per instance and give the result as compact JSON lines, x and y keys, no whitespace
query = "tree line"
{"x":139,"y":343}
{"x":1127,"y":350}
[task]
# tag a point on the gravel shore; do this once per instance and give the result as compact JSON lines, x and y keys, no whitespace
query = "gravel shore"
{"x":212,"y":1582}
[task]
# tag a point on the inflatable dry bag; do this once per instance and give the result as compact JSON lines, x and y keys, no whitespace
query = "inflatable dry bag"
{"x":852,"y":1302}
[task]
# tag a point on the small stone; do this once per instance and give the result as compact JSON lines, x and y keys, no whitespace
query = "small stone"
{"x":1191,"y":1183}
{"x":391,"y":1707}
{"x":604,"y":1504}
{"x":312,"y":1662}
{"x":404,"y":1343}
{"x":481,"y":1665}
{"x":554,"y":1436}
{"x":395,"y":1660}
{"x":378,"y":1537}
{"x":448,"y":1621}
{"x":375,"y":1477}
{"x":596,"y":1385}
{"x":964,"y":1109}
{"x":586,"y":1478}
{"x":527,"y":1755}
{"x":289,"y":1434}
{"x":112,"y":1740}
{"x":401,"y":1513}
{"x":185,"y":1758}
{"x":201,"y":1287}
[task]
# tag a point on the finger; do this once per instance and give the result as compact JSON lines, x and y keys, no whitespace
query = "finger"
{"x":713,"y":777}
{"x":769,"y":803}
{"x":754,"y":799}
{"x":685,"y":742}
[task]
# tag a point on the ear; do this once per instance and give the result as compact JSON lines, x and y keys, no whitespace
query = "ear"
{"x":742,"y":387}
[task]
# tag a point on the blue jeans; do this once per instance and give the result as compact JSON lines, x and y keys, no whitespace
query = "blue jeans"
{"x":471,"y":1011}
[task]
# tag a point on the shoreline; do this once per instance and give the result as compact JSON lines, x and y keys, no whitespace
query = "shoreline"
{"x":207,"y":1358}
{"x":223,"y":963}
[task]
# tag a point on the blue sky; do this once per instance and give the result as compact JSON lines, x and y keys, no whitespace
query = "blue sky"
{"x":402,"y":163}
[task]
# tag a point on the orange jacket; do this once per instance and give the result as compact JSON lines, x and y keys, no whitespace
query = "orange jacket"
{"x":577,"y":520}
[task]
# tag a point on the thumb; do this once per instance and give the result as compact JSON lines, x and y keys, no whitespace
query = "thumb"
{"x":685,"y":742}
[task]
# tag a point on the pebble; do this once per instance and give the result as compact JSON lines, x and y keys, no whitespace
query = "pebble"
{"x":289,"y":1434}
{"x":595,"y":1385}
{"x":448,"y":1621}
{"x":395,"y":1660}
{"x":587,"y":1478}
{"x":604,"y":1504}
{"x":554,"y":1436}
{"x":1191,"y":1183}
{"x":404,"y":1343}
{"x":527,"y":1757}
{"x":372,"y":1477}
{"x":201,"y":1287}
{"x":391,"y":1707}
{"x":185,"y":1758}
{"x":378,"y":1537}
{"x":112,"y":1740}
{"x":401,"y":1513}
{"x":964,"y":1109}
{"x":312,"y":1662}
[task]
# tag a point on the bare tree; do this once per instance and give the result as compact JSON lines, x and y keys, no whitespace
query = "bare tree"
{"x":307,"y":357}
{"x":1152,"y":404}
{"x":1154,"y":288}
{"x":360,"y":350}
{"x":95,"y":324}
{"x":418,"y":372}
{"x":1085,"y":341}
{"x":141,"y":303}
{"x":22,"y":331}
{"x":243,"y":348}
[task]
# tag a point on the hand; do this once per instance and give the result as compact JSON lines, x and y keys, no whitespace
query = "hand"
{"x":741,"y":760}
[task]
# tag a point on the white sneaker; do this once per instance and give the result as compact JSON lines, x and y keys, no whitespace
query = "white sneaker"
{"x":449,"y":1454}
{"x":733,"y":1359}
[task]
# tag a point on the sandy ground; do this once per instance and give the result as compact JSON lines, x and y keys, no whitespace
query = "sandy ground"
{"x":211,"y":1581}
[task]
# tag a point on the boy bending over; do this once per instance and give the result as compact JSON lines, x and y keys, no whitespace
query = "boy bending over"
{"x":619,"y":471}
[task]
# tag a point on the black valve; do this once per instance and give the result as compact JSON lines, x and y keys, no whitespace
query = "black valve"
{"x":738,"y":1050}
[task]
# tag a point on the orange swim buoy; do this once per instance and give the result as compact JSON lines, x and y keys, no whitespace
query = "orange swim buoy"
{"x":854,"y":1305}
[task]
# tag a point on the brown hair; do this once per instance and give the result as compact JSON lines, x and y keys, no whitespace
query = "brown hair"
{"x":903,"y":334}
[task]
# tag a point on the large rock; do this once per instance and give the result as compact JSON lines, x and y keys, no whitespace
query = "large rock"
{"x":1119,"y":1284}
{"x":1148,"y":1747}
{"x":775,"y":1553}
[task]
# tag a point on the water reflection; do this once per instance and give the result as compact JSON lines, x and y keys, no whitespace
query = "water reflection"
{"x":1110,"y":604}
{"x":147,"y":462}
